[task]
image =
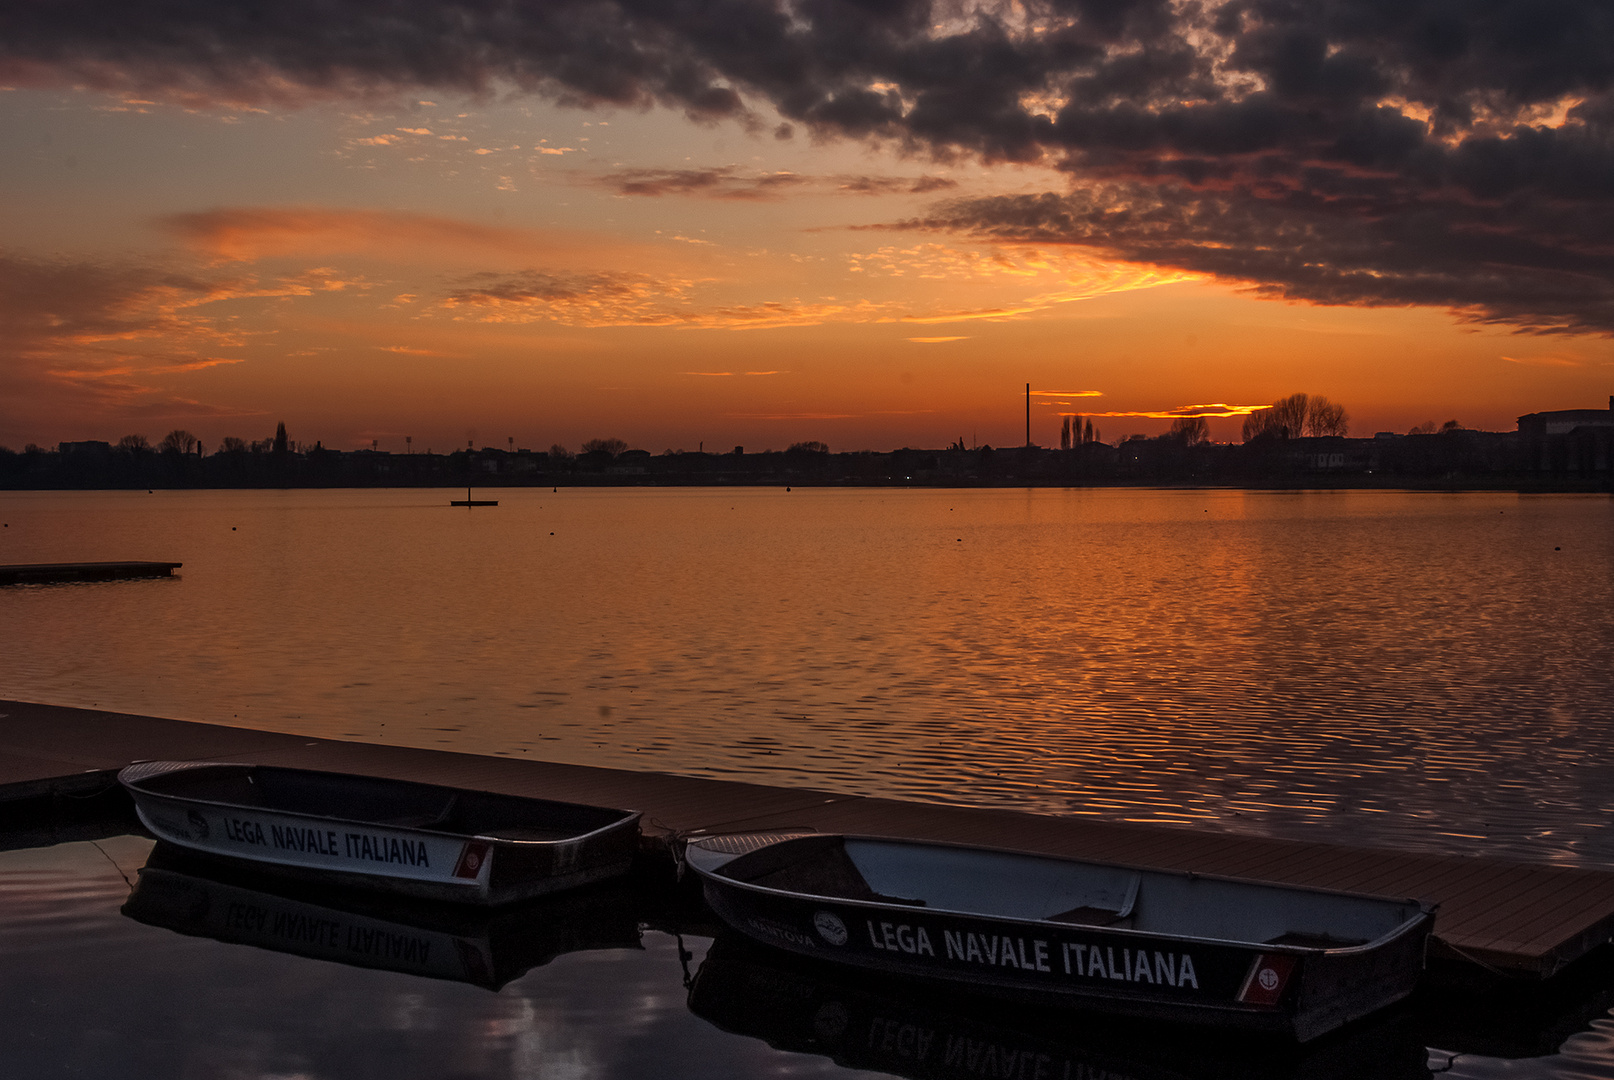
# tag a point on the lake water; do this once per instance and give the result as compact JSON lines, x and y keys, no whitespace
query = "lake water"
{"x":1425,"y":671}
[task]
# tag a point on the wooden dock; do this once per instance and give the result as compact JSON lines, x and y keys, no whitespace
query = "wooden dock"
{"x":46,"y":573}
{"x":1520,"y":919}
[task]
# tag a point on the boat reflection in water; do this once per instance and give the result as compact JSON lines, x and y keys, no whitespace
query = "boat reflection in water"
{"x":194,"y":895}
{"x":1563,"y":1027}
{"x":866,"y":1021}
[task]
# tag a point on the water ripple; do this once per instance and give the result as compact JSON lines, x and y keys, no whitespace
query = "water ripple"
{"x":1433,"y":672}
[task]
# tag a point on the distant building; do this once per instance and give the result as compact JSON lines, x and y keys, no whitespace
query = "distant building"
{"x":1569,"y":440}
{"x":630,"y":463}
{"x":1329,"y":453}
{"x":89,"y":446}
{"x":1563,"y":421}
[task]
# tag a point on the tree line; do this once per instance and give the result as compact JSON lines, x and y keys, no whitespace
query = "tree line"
{"x":1297,"y":416}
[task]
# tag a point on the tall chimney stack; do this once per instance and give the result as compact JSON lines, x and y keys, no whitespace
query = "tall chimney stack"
{"x":1028,"y":412}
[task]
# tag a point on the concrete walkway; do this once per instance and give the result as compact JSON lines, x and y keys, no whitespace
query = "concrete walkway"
{"x":1523,"y":919}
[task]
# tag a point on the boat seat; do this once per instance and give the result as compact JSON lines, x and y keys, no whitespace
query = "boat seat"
{"x":828,"y":872}
{"x":1091,"y":916}
{"x":1098,"y":915}
{"x":428,"y":821}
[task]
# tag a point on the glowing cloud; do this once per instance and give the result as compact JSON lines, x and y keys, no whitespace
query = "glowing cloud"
{"x":1185,"y":411}
{"x":248,"y":234}
{"x":1544,"y":361}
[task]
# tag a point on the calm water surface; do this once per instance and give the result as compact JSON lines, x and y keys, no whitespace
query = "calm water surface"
{"x":208,"y":978}
{"x":1426,"y":671}
{"x":89,"y":992}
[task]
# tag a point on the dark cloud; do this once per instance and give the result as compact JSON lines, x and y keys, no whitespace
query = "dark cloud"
{"x":730,"y":182}
{"x":718,"y":182}
{"x":1530,"y":271}
{"x":543,"y":288}
{"x":1457,"y":152}
{"x":611,"y":298}
{"x":893,"y":185}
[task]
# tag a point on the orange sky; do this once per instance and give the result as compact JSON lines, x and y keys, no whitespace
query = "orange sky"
{"x":490,"y":265}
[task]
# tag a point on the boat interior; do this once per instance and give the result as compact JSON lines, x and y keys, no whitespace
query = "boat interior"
{"x":1011,"y":885}
{"x":396,"y":803}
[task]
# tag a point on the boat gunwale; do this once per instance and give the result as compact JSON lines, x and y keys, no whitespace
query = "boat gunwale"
{"x":627,"y":817}
{"x":1425,"y":916}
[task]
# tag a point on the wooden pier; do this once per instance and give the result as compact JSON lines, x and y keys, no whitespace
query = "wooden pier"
{"x":1519,"y":919}
{"x":46,"y":573}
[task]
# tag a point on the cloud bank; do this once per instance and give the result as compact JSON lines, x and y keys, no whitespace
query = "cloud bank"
{"x":1457,"y":153}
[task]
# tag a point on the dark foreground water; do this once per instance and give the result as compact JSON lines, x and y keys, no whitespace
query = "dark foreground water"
{"x":193,"y":975}
{"x":1429,"y":671}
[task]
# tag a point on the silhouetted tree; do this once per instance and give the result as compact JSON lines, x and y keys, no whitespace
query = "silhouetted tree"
{"x":1190,"y":430}
{"x":1323,"y":417}
{"x":133,"y":444}
{"x":612,"y":447}
{"x":1425,"y":428}
{"x":809,"y":447}
{"x":1293,"y":412}
{"x":1450,"y":425}
{"x":1297,"y":415}
{"x":232,"y":445}
{"x":1064,"y":435}
{"x":280,"y":438}
{"x":178,"y":441}
{"x":1285,"y":419}
{"x":1088,"y":434}
{"x":559,"y":452}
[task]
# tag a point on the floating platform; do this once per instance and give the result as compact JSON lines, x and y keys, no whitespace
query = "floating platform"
{"x":473,"y":502}
{"x":1519,"y":919}
{"x":45,"y":573}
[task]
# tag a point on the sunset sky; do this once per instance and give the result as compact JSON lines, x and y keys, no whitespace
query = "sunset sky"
{"x":752,"y":222}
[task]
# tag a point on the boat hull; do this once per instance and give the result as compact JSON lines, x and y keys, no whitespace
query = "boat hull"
{"x":355,"y":852}
{"x":1294,"y":992}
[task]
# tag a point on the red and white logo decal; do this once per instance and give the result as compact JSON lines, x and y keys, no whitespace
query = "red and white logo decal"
{"x":1267,"y":978}
{"x":471,"y":859}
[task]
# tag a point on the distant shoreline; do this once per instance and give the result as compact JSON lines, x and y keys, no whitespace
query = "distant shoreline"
{"x":1579,"y":461}
{"x":1530,"y":486}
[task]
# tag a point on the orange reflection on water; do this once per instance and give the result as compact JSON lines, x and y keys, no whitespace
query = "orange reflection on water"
{"x":1419,"y":670}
